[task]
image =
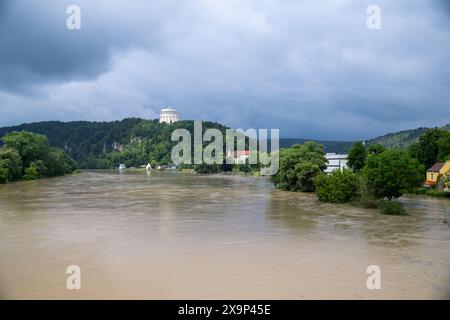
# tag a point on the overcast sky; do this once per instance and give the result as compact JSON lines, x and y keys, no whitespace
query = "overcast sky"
{"x":310,"y":68}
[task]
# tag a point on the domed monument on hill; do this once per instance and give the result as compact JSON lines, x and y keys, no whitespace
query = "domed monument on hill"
{"x":168,"y":115}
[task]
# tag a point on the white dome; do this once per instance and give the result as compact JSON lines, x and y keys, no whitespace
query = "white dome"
{"x":168,"y":115}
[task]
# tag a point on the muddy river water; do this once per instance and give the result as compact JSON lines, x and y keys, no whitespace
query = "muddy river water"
{"x":186,"y":236}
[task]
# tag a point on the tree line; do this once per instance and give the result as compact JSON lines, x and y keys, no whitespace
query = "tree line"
{"x":28,"y":156}
{"x":105,"y":145}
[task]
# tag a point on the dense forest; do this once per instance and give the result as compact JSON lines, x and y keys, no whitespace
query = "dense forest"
{"x":103,"y":145}
{"x":135,"y":141}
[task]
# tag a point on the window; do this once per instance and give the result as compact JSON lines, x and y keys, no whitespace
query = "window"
{"x":432,"y":176}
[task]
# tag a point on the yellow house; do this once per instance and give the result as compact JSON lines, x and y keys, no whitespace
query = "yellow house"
{"x":436,"y":171}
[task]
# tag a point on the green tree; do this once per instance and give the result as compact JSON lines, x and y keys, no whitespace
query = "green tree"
{"x":10,"y":159}
{"x":32,"y":151}
{"x":31,"y":173}
{"x":392,"y":173}
{"x":337,"y":187}
{"x":375,"y":149}
{"x":30,"y":146}
{"x":357,"y":156}
{"x":427,"y":149}
{"x":444,"y":147}
{"x":299,"y":165}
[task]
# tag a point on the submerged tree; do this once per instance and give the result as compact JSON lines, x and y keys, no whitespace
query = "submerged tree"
{"x":299,"y":165}
{"x":392,"y":173}
{"x":28,"y":156}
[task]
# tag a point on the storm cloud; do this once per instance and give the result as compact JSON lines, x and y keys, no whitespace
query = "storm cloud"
{"x":311,"y":68}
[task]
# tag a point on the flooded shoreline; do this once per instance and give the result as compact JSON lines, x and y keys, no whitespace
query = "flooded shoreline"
{"x":181,"y":236}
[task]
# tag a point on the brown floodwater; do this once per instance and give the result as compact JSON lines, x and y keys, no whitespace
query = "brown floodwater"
{"x":185,"y":236}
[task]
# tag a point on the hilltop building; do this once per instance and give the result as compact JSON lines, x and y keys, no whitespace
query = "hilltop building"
{"x":168,"y":115}
{"x":336,"y":162}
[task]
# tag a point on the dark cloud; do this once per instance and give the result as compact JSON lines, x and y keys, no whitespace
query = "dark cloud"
{"x":310,"y":68}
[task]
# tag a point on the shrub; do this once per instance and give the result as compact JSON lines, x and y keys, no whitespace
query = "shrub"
{"x":31,"y":173}
{"x":207,"y":168}
{"x":365,"y":198}
{"x":4,"y":174}
{"x":438,"y":193}
{"x":337,"y":187}
{"x":391,"y":208}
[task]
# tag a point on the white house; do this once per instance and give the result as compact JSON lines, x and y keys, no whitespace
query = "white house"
{"x":336,"y":162}
{"x":239,"y":157}
{"x":168,"y":115}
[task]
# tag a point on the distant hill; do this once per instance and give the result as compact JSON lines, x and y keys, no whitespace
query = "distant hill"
{"x":329,"y":146}
{"x":105,"y":144}
{"x":131,"y":141}
{"x":401,"y":139}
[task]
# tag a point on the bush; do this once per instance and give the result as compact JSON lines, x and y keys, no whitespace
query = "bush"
{"x":207,"y":168}
{"x":337,"y":187}
{"x":31,"y":173}
{"x":391,"y":208}
{"x":438,"y":193}
{"x":4,"y":174}
{"x":420,"y":190}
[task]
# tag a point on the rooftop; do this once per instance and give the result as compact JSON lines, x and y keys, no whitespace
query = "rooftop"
{"x":436,"y":167}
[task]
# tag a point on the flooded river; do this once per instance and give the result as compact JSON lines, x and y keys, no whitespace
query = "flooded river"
{"x":182,"y":236}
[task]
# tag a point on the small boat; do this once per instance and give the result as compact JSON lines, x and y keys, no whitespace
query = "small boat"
{"x":149,"y":166}
{"x":122,"y":166}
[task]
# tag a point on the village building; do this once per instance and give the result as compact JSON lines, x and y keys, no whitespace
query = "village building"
{"x":336,"y":162}
{"x":239,"y":157}
{"x":438,"y":170}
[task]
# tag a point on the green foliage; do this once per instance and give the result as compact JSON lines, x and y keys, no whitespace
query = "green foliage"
{"x":364,"y":199}
{"x":337,"y":187}
{"x":30,"y":146}
{"x":10,"y":160}
{"x":104,"y":145}
{"x":4,"y":174}
{"x":431,"y":145}
{"x":392,"y":173}
{"x":357,"y":156}
{"x":391,"y":208}
{"x":299,"y":166}
{"x":398,"y":140}
{"x":375,"y":149}
{"x":31,"y":173}
{"x":329,"y":146}
{"x":32,"y":151}
{"x":444,"y":147}
{"x":207,"y":168}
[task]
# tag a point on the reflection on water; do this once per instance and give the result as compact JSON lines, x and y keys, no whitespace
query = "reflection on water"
{"x":172,"y":235}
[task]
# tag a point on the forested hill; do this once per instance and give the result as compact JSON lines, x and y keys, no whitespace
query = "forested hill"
{"x":137,"y":141}
{"x":105,"y":144}
{"x":401,"y":139}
